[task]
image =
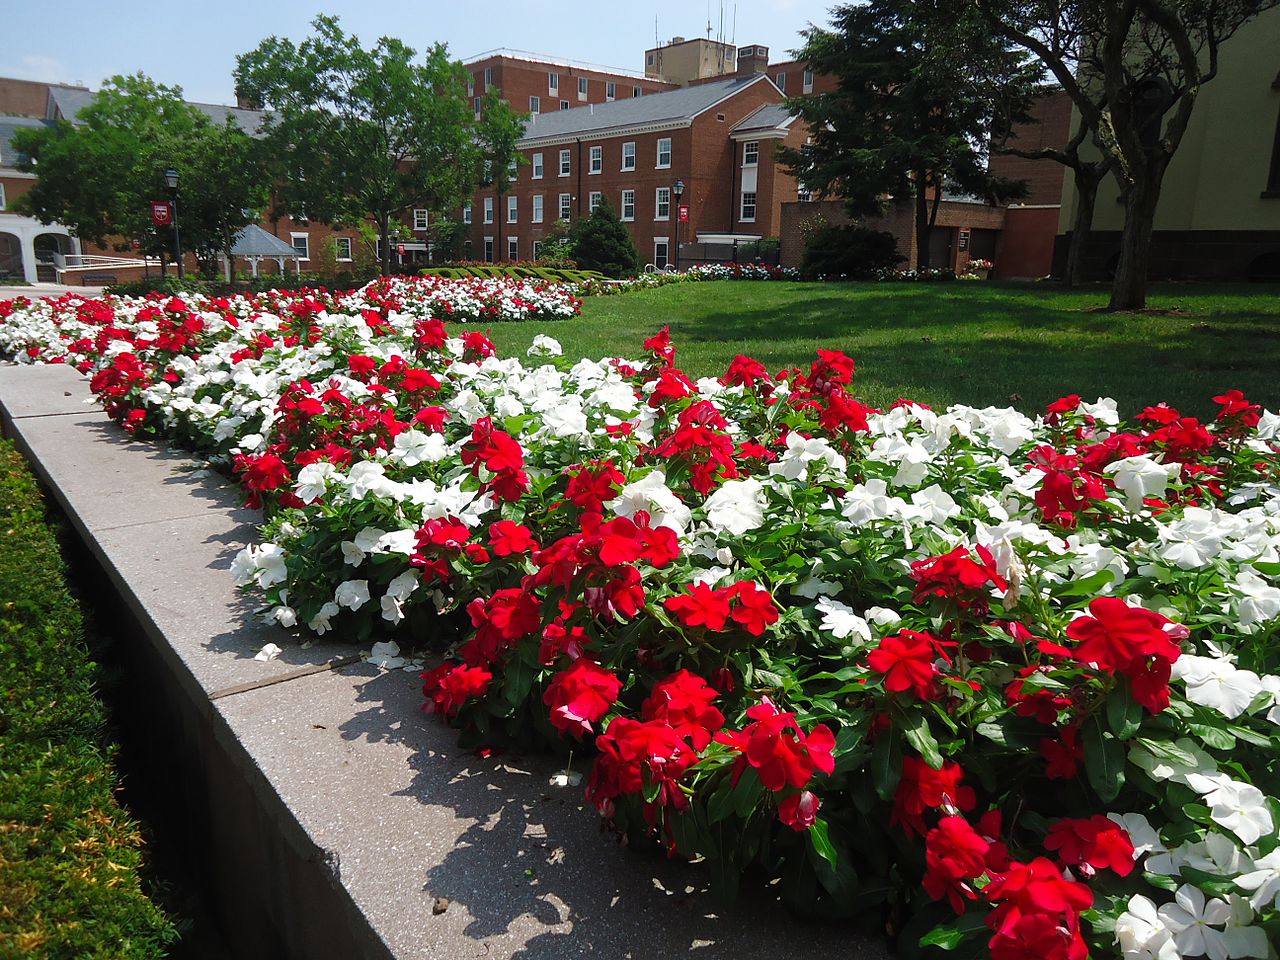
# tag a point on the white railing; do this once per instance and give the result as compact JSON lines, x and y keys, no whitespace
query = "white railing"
{"x":70,"y":262}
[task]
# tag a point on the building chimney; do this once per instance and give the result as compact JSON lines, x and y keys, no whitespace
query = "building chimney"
{"x":752,"y":60}
{"x":246,"y":102}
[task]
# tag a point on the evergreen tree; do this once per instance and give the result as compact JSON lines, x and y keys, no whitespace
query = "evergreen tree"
{"x":602,"y":242}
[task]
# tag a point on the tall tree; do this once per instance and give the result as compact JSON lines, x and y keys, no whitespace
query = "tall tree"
{"x":498,"y":133}
{"x":98,"y":173}
{"x":918,"y":98}
{"x":1134,"y":70}
{"x":363,"y":134}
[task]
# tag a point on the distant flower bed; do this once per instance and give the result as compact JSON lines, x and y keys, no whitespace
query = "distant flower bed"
{"x":983,"y":681}
{"x":695,"y":274}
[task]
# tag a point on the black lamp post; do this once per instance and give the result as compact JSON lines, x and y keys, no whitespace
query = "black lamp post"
{"x":171,"y":181}
{"x":678,"y":190}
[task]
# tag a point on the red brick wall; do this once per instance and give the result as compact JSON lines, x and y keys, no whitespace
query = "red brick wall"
{"x":14,"y":187}
{"x":1053,"y":129}
{"x":518,"y":80}
{"x":23,"y":98}
{"x":794,"y":71}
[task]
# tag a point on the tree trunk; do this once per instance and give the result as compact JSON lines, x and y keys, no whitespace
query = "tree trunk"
{"x":1129,"y":290}
{"x":384,"y":236}
{"x":922,"y":221}
{"x":1086,"y":183}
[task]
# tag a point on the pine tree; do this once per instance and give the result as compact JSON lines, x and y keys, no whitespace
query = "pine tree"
{"x":602,"y":242}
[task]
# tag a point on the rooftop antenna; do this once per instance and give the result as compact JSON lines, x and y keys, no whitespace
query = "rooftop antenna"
{"x":708,"y":19}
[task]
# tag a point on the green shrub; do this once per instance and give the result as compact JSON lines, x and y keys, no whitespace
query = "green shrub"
{"x":603,"y":243}
{"x":850,"y":251}
{"x":69,"y":856}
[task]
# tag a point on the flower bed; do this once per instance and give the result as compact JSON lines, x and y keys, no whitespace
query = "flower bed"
{"x":982,"y":681}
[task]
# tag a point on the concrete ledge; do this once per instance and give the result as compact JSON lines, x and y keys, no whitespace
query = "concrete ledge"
{"x":340,"y":819}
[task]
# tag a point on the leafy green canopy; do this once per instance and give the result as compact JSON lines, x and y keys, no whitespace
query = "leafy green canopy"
{"x":603,"y":243}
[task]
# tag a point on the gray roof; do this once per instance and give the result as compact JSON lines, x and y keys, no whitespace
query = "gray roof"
{"x":665,"y":107}
{"x":769,"y":117}
{"x":253,"y":241}
{"x":69,"y":101}
{"x":10,"y":125}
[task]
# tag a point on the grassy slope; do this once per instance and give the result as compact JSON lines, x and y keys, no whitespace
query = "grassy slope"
{"x":69,"y":856}
{"x":966,"y":342}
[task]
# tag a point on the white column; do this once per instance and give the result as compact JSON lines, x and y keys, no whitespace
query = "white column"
{"x":28,"y":240}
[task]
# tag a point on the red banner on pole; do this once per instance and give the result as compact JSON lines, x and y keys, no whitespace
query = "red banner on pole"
{"x":161,"y":213}
{"x":684,"y":213}
{"x":400,"y":249}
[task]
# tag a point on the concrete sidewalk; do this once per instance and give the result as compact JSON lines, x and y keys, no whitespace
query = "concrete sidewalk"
{"x":36,"y":290}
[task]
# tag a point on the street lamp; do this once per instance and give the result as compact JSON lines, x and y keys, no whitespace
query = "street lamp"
{"x":678,"y":190}
{"x":171,"y":181}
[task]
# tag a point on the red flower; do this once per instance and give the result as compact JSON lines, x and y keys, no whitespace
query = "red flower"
{"x":683,"y":701}
{"x":509,"y":538}
{"x":581,"y":695}
{"x":956,"y":576}
{"x":450,"y":686}
{"x":631,"y":753}
{"x":754,"y":610}
{"x":1035,"y":936}
{"x":954,"y":854}
{"x":1236,"y":408}
{"x":923,"y":788}
{"x":1137,"y":642}
{"x":500,"y":621}
{"x":906,"y":660}
{"x":1038,"y":887}
{"x":592,"y":484}
{"x":702,"y":606}
{"x":779,"y":750}
{"x":799,"y":811}
{"x":1064,"y":755}
{"x":1098,"y":843}
{"x":671,"y":385}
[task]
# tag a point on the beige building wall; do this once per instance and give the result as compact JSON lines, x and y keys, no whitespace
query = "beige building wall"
{"x":682,"y":61}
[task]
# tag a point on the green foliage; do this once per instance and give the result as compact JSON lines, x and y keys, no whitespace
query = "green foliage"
{"x":99,"y":175}
{"x":602,"y":242}
{"x":550,"y":274}
{"x":69,"y":856}
{"x":850,"y":251}
{"x":170,"y":285}
{"x":361,"y":134}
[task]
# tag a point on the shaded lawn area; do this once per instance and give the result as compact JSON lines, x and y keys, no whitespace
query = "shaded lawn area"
{"x":961,"y":342}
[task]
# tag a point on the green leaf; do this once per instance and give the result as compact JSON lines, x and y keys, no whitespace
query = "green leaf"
{"x":886,"y":764}
{"x":1103,"y":760}
{"x":948,"y":936}
{"x":720,"y":805}
{"x":1088,"y":587}
{"x":1124,"y":714}
{"x":915,"y":727}
{"x":1213,"y":737}
{"x":820,"y":840}
{"x":746,"y":794}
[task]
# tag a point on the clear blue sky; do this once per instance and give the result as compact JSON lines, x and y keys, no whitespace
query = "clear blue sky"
{"x":193,"y":43}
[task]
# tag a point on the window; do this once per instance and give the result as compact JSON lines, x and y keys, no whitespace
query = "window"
{"x":808,"y":81}
{"x":662,"y":204}
{"x":629,"y":155}
{"x":566,"y":206}
{"x":636,"y":91}
{"x":302,"y":243}
{"x":535,"y":104}
{"x":566,"y":163}
{"x":748,"y":207}
{"x":488,"y":209}
{"x":537,"y":249}
{"x":475,"y":107}
{"x":488,"y":249}
{"x":488,"y":77}
{"x":750,"y":153}
{"x":593,"y":201}
{"x":342,"y":249}
{"x":536,"y":166}
{"x":513,"y":248}
{"x":597,"y":160}
{"x":610,"y":90}
{"x":513,"y":209}
{"x":564,"y":104}
{"x":661,"y":253}
{"x":553,"y":84}
{"x":648,"y":60}
{"x":781,"y":81}
{"x":628,"y":205}
{"x":471,"y":85}
{"x":1273,"y":174}
{"x":466,"y":212}
{"x":2,"y":202}
{"x":420,"y":219}
{"x":582,"y":88}
{"x":664,"y":153}
{"x":537,"y":208}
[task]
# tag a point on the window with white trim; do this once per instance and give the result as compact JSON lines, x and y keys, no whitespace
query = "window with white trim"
{"x":537,"y":249}
{"x":628,"y":205}
{"x":466,"y":212}
{"x":553,"y":84}
{"x":536,"y":166}
{"x":610,"y":90}
{"x":513,"y":209}
{"x":808,"y":81}
{"x":582,"y":88}
{"x":664,"y":153}
{"x":593,"y":201}
{"x":513,"y":248}
{"x":661,"y":252}
{"x":420,"y":220}
{"x":2,"y":200}
{"x":597,"y":160}
{"x":566,"y":163}
{"x":750,"y":153}
{"x":535,"y":104}
{"x":566,"y":206}
{"x":488,"y":77}
{"x":629,"y":155}
{"x":342,"y":249}
{"x":748,"y":207}
{"x":564,"y":104}
{"x":781,"y":82}
{"x":488,"y":209}
{"x":488,"y":249}
{"x":471,"y":85}
{"x":662,"y":203}
{"x":302,"y":243}
{"x":475,"y":107}
{"x":636,"y":91}
{"x":537,"y":208}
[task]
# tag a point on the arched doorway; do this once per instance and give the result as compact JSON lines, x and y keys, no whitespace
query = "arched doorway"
{"x":48,"y":246}
{"x":10,"y":257}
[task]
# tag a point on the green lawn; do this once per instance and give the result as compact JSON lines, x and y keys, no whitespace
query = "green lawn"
{"x":961,"y":342}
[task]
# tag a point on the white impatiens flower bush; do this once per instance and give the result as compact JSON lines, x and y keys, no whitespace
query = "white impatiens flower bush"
{"x":991,"y":683}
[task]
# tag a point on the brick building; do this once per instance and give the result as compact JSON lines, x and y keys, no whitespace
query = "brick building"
{"x":535,"y":85}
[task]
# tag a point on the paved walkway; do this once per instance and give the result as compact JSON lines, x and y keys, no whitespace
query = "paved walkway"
{"x":46,"y":290}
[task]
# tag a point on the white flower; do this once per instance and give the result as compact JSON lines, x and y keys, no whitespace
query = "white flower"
{"x":841,"y":622}
{"x":312,"y":479}
{"x":1216,"y":683}
{"x":870,"y":501}
{"x":386,"y":655}
{"x":1140,"y":477}
{"x":351,"y":553}
{"x":1159,"y":768}
{"x":882,"y":616}
{"x":544,"y":346}
{"x":738,"y":506}
{"x":320,"y":622}
{"x":1258,"y":601}
{"x":1263,"y":881}
{"x":266,"y":564}
{"x":352,"y":594}
{"x":1241,"y":808}
{"x":1141,"y":932}
{"x":413,"y":447}
{"x":1191,"y":919}
{"x":934,"y":505}
{"x":802,"y":451}
{"x":285,"y":616}
{"x":565,"y":418}
{"x":269,"y":651}
{"x":815,"y":587}
{"x":651,"y":494}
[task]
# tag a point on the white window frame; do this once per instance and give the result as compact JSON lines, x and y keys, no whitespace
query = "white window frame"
{"x":513,"y":208}
{"x":593,"y":200}
{"x":622,"y":207}
{"x":637,"y":91}
{"x":537,"y":245}
{"x":596,"y":157}
{"x":742,"y":207}
{"x":466,"y":212}
{"x":751,"y":153}
{"x":629,"y":155}
{"x":471,"y":85}
{"x":536,"y":166}
{"x":807,"y":81}
{"x":3,"y":202}
{"x":488,"y":209}
{"x":338,"y":243}
{"x":535,"y":104}
{"x":513,"y":248}
{"x":488,"y":78}
{"x":306,"y":244}
{"x":661,"y":196}
{"x":665,"y":243}
{"x":564,"y":104}
{"x":475,"y":106}
{"x":566,"y":163}
{"x":536,"y":214}
{"x":421,"y":219}
{"x":658,"y":164}
{"x":553,"y":84}
{"x":566,"y":206}
{"x":610,"y":90}
{"x":780,"y":81}
{"x":582,"y":88}
{"x":487,"y":250}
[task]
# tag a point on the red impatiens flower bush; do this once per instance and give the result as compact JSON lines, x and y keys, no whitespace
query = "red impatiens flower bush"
{"x":978,"y":681}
